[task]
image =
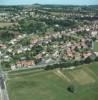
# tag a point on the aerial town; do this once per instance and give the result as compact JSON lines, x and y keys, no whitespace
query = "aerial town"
{"x":50,"y":38}
{"x":44,"y":35}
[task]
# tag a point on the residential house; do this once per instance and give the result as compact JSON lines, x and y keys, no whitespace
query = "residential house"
{"x":25,"y":63}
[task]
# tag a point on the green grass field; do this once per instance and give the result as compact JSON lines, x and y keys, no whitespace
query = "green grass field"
{"x":2,"y":25}
{"x":96,"y":46}
{"x":52,"y":85}
{"x":5,"y":24}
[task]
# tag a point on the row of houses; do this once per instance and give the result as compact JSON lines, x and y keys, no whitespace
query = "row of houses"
{"x":23,"y":64}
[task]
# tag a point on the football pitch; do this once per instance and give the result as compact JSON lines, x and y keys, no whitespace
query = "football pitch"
{"x":53,"y":84}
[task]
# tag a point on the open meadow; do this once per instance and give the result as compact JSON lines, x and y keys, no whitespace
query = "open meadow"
{"x":96,"y":46}
{"x":53,"y":84}
{"x":2,"y":25}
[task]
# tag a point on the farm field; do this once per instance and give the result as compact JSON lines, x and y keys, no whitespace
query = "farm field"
{"x":96,"y":46}
{"x":2,"y":25}
{"x":53,"y":84}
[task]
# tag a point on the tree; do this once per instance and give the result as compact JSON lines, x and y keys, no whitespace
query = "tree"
{"x":5,"y":65}
{"x":71,"y":88}
{"x":90,"y":58}
{"x":6,"y":36}
{"x":31,"y":26}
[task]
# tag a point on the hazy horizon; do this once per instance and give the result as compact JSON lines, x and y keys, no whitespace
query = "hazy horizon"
{"x":61,"y":2}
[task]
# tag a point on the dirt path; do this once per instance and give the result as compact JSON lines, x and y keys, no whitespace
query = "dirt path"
{"x":61,"y":75}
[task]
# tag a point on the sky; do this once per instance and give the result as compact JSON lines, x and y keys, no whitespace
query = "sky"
{"x":64,"y":2}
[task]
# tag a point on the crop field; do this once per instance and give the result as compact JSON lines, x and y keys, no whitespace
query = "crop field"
{"x":53,"y":84}
{"x":82,"y":77}
{"x":5,"y":24}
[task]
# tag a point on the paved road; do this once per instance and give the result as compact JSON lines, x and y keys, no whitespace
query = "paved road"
{"x":3,"y":90}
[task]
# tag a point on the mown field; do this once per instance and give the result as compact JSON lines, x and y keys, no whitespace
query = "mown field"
{"x":96,"y":46}
{"x":52,"y":85}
